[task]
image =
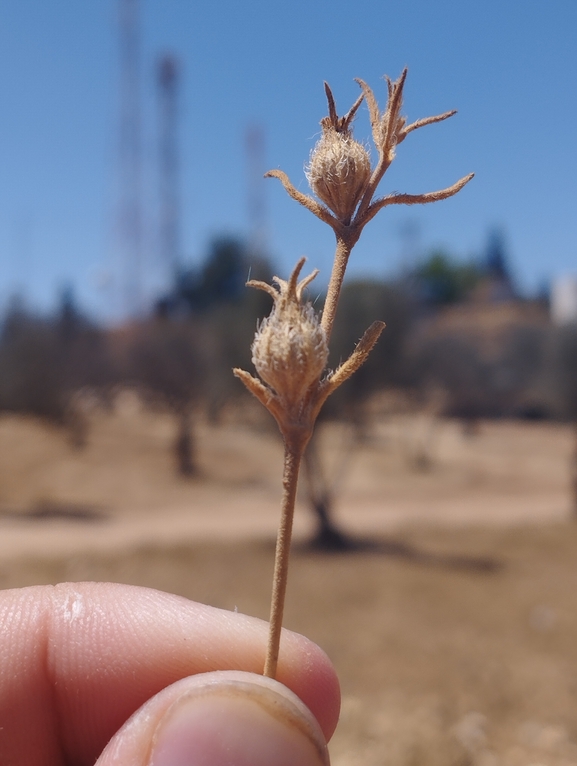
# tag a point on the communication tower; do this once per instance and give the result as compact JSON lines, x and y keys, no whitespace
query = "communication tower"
{"x":170,"y":247}
{"x":257,"y":212}
{"x":130,"y":159}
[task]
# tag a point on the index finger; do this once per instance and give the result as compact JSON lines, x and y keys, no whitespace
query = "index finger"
{"x":77,"y":659}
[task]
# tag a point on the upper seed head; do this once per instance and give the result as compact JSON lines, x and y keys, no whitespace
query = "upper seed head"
{"x":339,"y":171}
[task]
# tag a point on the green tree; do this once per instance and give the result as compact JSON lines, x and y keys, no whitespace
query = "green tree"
{"x":443,"y":280}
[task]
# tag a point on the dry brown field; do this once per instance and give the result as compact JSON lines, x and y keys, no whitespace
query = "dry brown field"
{"x":455,"y":636}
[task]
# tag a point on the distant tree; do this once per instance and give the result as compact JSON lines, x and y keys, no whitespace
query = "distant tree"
{"x":224,"y":310}
{"x":31,"y":376}
{"x":46,"y":361}
{"x":86,"y":362}
{"x":230,"y":328}
{"x":361,"y":302}
{"x":441,"y":280}
{"x":220,"y":280}
{"x":566,"y":373}
{"x":165,"y":359}
{"x":477,"y":383}
{"x":497,"y":277}
{"x":522,"y":370}
{"x":224,"y":272}
{"x":454,"y":364}
{"x":496,"y":260}
{"x":321,"y":489}
{"x":566,"y":344}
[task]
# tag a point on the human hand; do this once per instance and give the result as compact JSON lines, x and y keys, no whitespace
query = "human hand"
{"x":78,"y":659}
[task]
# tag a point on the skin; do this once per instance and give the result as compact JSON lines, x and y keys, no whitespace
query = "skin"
{"x":78,"y":659}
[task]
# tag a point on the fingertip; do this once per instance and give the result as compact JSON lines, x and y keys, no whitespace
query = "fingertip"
{"x":309,"y":672}
{"x":146,"y":640}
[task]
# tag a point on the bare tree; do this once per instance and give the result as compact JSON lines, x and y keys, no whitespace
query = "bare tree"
{"x":46,"y":361}
{"x":566,"y":375}
{"x":165,"y":359}
{"x":322,"y":489}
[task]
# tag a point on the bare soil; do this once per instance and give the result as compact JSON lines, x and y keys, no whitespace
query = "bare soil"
{"x":454,"y":635}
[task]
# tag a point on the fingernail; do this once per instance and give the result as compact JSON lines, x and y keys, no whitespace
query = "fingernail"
{"x":240,"y":722}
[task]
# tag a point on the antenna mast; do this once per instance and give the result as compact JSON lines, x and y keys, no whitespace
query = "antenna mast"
{"x":130,"y":204}
{"x":168,"y":81}
{"x":257,"y":213}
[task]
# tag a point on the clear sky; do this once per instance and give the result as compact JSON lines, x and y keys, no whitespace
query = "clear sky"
{"x":508,"y":66}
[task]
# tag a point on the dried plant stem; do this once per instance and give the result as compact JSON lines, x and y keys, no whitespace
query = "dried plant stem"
{"x":290,"y":350}
{"x":292,"y":460}
{"x":342,"y":253}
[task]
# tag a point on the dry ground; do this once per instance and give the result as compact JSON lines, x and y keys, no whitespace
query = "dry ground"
{"x":456,"y":640}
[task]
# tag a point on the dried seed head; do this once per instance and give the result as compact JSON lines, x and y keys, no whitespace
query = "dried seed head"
{"x":339,"y":171}
{"x":290,"y":350}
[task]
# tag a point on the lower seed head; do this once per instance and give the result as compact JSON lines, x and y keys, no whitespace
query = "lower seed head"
{"x":290,"y":351}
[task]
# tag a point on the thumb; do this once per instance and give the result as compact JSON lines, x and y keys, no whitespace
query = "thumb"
{"x":219,"y":719}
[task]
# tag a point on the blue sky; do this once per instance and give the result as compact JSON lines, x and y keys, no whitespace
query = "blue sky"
{"x":510,"y":68}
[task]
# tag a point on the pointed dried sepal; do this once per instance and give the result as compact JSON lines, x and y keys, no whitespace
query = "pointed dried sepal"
{"x":333,"y":117}
{"x":290,"y":287}
{"x":256,"y":388}
{"x":416,"y":199}
{"x":304,"y":283}
{"x":340,"y":124}
{"x":357,"y":358}
{"x":374,"y":113}
{"x":311,"y":204}
{"x":264,"y":286}
{"x":265,"y":396}
{"x":348,"y":368}
{"x":391,"y":118}
{"x":424,"y":121}
{"x":386,"y":128}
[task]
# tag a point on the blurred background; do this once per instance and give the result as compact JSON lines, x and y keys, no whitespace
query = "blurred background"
{"x":436,"y":530}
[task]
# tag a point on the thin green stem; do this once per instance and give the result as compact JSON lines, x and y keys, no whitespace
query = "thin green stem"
{"x":292,"y":460}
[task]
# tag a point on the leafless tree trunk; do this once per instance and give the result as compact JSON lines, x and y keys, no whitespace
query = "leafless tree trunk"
{"x":321,"y":494}
{"x":573,"y":470}
{"x":184,"y":450}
